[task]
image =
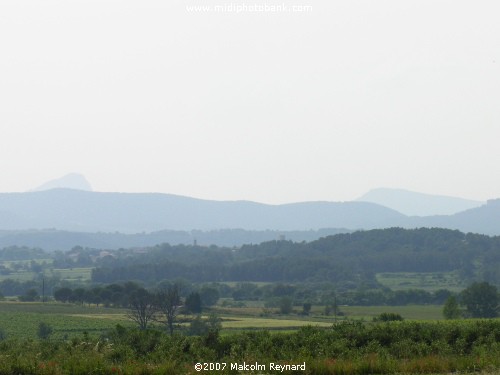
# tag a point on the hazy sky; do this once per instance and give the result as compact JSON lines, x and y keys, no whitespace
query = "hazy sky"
{"x":146,"y":96}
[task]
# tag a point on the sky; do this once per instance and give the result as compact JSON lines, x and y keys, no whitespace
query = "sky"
{"x":322,"y":101}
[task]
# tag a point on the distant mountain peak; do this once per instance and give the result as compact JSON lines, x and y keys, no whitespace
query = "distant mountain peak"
{"x":74,"y":181}
{"x":418,"y":204}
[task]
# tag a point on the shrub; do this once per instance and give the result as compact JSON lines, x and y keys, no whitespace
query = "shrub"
{"x":44,"y":330}
{"x":388,"y":317}
{"x":451,"y":309}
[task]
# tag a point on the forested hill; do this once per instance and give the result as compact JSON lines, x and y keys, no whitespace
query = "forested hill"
{"x":344,"y":259}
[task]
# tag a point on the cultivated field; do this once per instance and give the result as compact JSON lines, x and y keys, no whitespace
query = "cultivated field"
{"x":21,"y":319}
{"x":428,"y":281}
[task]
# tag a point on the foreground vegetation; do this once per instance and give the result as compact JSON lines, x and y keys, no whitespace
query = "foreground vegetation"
{"x":344,"y":348}
{"x":98,"y":340}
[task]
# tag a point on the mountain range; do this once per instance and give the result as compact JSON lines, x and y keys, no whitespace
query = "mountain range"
{"x":86,"y":211}
{"x":57,"y":217}
{"x":76,"y":210}
{"x":418,"y":204}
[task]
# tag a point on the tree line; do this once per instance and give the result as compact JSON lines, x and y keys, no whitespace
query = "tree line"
{"x":344,"y":259}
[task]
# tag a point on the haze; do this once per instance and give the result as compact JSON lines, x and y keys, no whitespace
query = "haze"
{"x":144,"y":96}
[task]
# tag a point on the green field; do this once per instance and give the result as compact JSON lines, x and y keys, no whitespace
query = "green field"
{"x":410,"y":312}
{"x":71,"y":274}
{"x":19,"y":276}
{"x":428,"y":281}
{"x":21,"y":319}
{"x":20,"y":271}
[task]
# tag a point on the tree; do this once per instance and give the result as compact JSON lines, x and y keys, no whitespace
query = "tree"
{"x":306,"y":308}
{"x":209,"y":328}
{"x":193,"y":303}
{"x":30,"y":296}
{"x":35,"y":267}
{"x":63,"y":294}
{"x":168,"y":302}
{"x":286,"y":305}
{"x":78,"y":295}
{"x":209,"y":296}
{"x":451,"y":309}
{"x":481,"y":300}
{"x":142,"y":308}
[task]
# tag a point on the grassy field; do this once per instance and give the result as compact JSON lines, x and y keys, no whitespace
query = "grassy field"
{"x":241,"y":323}
{"x":415,"y":280}
{"x":11,"y":263}
{"x":21,"y":319}
{"x":19,"y":276}
{"x":20,"y":273}
{"x":411,"y":312}
{"x":71,"y":274}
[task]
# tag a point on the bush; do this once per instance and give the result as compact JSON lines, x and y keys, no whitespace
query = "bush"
{"x":388,"y":317}
{"x":451,"y":309}
{"x":44,"y":330}
{"x":198,"y":327}
{"x":30,"y":296}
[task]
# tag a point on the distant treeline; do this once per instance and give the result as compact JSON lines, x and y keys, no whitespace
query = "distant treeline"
{"x":347,"y":260}
{"x":52,"y":240}
{"x":118,"y":294}
{"x":21,"y":253}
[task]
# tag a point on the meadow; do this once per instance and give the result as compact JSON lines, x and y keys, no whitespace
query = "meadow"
{"x":428,"y":281}
{"x":21,"y":319}
{"x":90,"y":339}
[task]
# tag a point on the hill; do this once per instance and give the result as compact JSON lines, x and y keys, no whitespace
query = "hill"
{"x":72,"y":210}
{"x":75,"y":210}
{"x":484,"y":219}
{"x":418,"y":204}
{"x":69,"y":181}
{"x":343,"y":259}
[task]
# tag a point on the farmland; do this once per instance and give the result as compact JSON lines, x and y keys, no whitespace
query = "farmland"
{"x":429,"y":281}
{"x":86,"y":340}
{"x":20,"y":320}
